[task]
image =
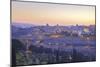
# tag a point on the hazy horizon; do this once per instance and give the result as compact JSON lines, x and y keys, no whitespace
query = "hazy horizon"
{"x":48,"y":24}
{"x":52,"y":14}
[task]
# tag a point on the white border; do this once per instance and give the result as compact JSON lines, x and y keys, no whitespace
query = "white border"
{"x":5,"y":33}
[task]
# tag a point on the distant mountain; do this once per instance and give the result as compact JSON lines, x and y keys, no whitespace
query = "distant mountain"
{"x":20,"y":29}
{"x":22,"y":25}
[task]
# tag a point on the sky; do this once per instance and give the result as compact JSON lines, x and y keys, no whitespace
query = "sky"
{"x":52,"y":14}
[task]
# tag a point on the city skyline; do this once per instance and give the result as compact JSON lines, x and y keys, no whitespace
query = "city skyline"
{"x":52,"y":14}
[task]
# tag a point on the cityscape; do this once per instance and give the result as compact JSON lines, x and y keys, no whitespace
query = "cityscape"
{"x":53,"y":44}
{"x":47,"y":33}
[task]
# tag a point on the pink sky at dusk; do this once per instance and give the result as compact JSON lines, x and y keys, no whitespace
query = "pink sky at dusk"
{"x":43,"y":13}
